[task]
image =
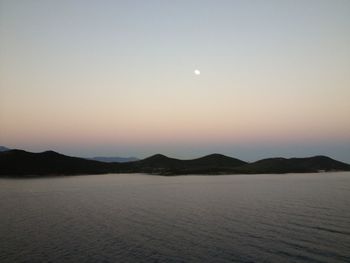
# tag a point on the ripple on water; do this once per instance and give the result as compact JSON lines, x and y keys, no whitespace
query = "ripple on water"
{"x":141,"y":218}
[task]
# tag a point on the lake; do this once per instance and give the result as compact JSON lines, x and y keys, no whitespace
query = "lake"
{"x":145,"y":218}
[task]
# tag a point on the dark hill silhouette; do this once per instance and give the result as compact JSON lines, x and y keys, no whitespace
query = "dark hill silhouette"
{"x":165,"y":165}
{"x":294,"y":165}
{"x":159,"y":160}
{"x":22,"y":163}
{"x":217,"y":160}
{"x":158,"y":164}
{"x":19,"y":162}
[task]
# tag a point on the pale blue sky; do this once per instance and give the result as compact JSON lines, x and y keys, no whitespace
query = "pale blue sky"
{"x":116,"y":77}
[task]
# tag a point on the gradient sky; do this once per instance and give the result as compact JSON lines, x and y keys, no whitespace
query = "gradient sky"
{"x":115,"y":78}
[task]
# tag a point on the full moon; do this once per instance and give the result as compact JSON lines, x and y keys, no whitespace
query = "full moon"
{"x":197,"y":72}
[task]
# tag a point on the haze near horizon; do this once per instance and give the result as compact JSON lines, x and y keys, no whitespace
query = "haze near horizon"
{"x":92,"y":78}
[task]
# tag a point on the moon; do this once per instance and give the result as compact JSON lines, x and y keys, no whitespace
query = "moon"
{"x":197,"y":72}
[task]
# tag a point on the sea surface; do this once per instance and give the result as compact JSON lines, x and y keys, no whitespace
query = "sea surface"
{"x":145,"y":218}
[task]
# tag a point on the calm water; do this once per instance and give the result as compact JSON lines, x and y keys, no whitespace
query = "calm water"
{"x":143,"y":218}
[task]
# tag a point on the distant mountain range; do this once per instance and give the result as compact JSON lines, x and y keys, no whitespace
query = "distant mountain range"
{"x":24,"y":164}
{"x":3,"y":149}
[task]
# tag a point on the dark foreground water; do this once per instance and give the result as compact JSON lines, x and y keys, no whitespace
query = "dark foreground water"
{"x":143,"y":218}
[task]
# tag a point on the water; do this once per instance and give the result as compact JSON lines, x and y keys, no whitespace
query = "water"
{"x":143,"y":218}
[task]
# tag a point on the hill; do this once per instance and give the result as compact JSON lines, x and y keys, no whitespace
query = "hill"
{"x":294,"y":165}
{"x":25,"y":164}
{"x":19,"y":162}
{"x":161,"y":164}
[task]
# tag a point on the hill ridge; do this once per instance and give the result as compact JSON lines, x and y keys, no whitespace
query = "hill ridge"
{"x":22,"y":163}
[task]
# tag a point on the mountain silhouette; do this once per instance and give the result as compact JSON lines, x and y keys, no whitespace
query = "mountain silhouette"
{"x":217,"y":160}
{"x":22,"y":163}
{"x":19,"y":162}
{"x":294,"y":165}
{"x":165,"y":165}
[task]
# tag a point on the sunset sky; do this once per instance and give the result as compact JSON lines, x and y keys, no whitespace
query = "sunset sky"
{"x":116,"y":78}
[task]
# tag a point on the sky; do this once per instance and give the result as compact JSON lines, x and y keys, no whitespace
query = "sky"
{"x":116,"y":78}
